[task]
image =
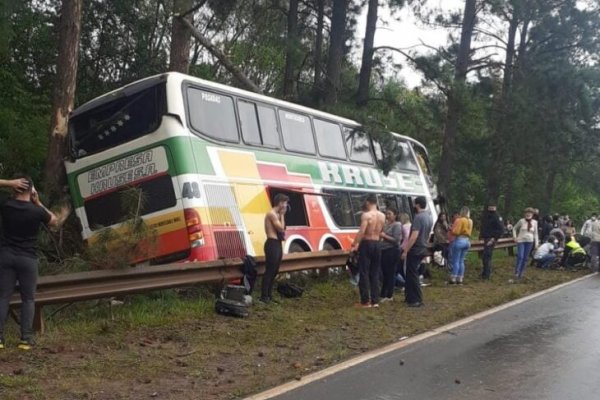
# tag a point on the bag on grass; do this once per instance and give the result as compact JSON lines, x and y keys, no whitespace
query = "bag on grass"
{"x":231,"y":308}
{"x":352,"y":267}
{"x":289,"y":290}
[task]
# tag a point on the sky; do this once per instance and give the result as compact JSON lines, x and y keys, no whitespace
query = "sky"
{"x":403,"y":30}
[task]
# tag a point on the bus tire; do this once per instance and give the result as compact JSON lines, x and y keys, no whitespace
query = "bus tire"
{"x":296,"y":247}
{"x":324,"y":272}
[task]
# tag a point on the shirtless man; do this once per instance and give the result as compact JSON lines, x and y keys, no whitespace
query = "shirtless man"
{"x":369,"y":253}
{"x":275,"y":230}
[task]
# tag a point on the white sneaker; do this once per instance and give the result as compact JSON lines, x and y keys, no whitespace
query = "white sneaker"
{"x":386,"y":299}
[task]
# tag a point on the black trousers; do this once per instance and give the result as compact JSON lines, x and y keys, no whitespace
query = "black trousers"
{"x":390,"y":258}
{"x":273,"y":255}
{"x":486,"y":257}
{"x":412,"y":291}
{"x":369,"y":269}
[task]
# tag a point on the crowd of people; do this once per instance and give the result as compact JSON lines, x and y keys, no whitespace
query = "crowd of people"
{"x":392,"y":250}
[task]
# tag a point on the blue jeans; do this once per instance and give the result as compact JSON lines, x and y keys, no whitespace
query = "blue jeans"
{"x":546,"y":260}
{"x":523,"y":251}
{"x":460,"y":246}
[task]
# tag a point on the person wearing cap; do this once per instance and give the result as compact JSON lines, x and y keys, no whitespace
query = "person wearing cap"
{"x":491,"y":230}
{"x":525,"y":233}
{"x":22,"y":215}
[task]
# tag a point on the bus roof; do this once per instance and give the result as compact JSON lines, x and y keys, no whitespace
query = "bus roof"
{"x":150,"y":81}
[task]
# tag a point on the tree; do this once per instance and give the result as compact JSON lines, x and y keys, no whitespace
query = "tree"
{"x":289,"y":82}
{"x":336,"y":51}
{"x":318,"y":51}
{"x":367,"y":56}
{"x":180,"y":37}
{"x":455,"y":96}
{"x":64,"y":93}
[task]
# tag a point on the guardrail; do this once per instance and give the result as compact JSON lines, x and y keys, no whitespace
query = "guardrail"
{"x":80,"y":286}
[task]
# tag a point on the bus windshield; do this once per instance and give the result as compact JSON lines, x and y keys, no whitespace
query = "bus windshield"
{"x":121,"y":120}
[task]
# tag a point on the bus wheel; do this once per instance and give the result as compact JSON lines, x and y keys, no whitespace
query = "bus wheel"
{"x":324,"y":272}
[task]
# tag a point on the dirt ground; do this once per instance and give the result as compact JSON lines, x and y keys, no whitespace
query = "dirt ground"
{"x":167,"y":346}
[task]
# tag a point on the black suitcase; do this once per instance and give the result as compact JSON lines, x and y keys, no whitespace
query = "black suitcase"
{"x":289,"y":290}
{"x":231,"y":308}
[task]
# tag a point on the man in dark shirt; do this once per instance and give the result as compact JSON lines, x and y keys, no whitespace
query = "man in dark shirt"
{"x":22,"y":215}
{"x":415,"y":250}
{"x":491,"y":230}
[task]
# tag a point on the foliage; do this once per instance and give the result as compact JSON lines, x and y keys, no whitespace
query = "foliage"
{"x":536,"y":122}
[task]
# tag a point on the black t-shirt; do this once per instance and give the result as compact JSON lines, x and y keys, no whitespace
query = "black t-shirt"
{"x":21,"y":222}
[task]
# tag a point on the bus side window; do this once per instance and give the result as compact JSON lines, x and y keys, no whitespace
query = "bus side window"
{"x":269,"y":130}
{"x":340,"y":208}
{"x":297,"y":132}
{"x":296,"y":215}
{"x":212,"y":114}
{"x":386,"y":201}
{"x":405,"y":205}
{"x":329,"y":139}
{"x":357,"y":144}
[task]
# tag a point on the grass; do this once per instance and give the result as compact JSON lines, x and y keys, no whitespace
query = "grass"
{"x":172,"y":345}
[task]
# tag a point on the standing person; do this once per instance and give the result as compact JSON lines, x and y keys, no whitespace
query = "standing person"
{"x":595,"y":244}
{"x":406,"y":224}
{"x":547,"y":227}
{"x":391,"y":238}
{"x":525,"y":233}
{"x":441,"y":228}
{"x":462,"y":230}
{"x":22,"y":215}
{"x":369,"y":253}
{"x":416,"y":249}
{"x":491,"y":230}
{"x":586,"y":229}
{"x":275,"y":230}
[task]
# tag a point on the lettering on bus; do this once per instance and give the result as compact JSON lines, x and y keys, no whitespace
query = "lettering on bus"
{"x":352,"y":175}
{"x":123,"y":172}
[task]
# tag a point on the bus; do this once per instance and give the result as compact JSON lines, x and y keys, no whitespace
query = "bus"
{"x":209,"y":158}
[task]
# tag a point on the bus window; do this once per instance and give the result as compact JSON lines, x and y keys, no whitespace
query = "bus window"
{"x":268,"y":126}
{"x":212,"y":114}
{"x":358,"y":201}
{"x":329,"y":139}
{"x":423,"y":161}
{"x":386,"y":201}
{"x":340,"y":208}
{"x":297,"y":132}
{"x":119,"y":121}
{"x":249,"y":122}
{"x":296,"y":215}
{"x":357,"y":143}
{"x":405,"y":159}
{"x":405,"y":205}
{"x":104,"y":211}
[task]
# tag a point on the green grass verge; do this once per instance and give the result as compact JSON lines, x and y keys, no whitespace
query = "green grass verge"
{"x":170,"y":345}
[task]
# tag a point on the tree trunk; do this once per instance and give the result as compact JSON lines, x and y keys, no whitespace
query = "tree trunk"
{"x":455,"y":97}
{"x":364,"y":78}
{"x":336,"y":51}
{"x":234,"y":70}
{"x":547,"y":202}
{"x":180,"y":37}
{"x":64,"y":94}
{"x":497,"y":170}
{"x":291,"y":51}
{"x":318,"y":56}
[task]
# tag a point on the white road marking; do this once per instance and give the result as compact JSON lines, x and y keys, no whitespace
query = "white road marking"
{"x":287,"y":387}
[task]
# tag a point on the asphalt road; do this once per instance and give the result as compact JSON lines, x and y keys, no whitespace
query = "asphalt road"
{"x":544,"y":349}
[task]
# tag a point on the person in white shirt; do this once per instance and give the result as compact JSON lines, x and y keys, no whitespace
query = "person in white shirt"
{"x":546,"y":253}
{"x":586,"y":229}
{"x":525,"y":233}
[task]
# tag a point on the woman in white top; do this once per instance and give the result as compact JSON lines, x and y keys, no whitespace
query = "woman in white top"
{"x":525,"y":233}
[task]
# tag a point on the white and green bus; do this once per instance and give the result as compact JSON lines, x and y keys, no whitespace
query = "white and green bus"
{"x":209,"y":157}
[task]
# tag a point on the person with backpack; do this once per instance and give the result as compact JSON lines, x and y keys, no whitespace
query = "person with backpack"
{"x":22,"y":216}
{"x":525,"y":233}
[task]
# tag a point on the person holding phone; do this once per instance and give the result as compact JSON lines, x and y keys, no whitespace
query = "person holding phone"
{"x":22,"y":216}
{"x":275,"y":231}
